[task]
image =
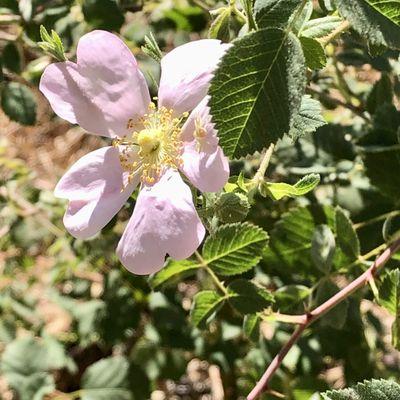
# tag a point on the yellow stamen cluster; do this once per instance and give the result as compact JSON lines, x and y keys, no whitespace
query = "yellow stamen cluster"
{"x":157,"y":146}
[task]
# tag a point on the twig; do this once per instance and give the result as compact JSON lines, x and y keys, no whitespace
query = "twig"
{"x":335,"y":33}
{"x":373,"y":220}
{"x":210,"y":272}
{"x":259,"y":176}
{"x":318,"y":312}
{"x":337,"y":102}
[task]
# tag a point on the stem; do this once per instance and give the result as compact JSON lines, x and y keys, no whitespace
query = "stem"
{"x":259,"y":176}
{"x":210,"y":272}
{"x":318,"y":312}
{"x":324,"y":96}
{"x":344,"y":26}
{"x":239,"y":14}
{"x":376,"y":219}
{"x":285,"y":318}
{"x":248,"y":9}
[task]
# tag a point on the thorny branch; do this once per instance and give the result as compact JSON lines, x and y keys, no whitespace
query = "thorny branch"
{"x":306,"y":320}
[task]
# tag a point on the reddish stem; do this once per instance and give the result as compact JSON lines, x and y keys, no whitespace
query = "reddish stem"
{"x":317,"y":313}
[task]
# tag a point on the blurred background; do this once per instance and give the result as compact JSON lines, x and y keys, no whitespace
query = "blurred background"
{"x":75,"y":325}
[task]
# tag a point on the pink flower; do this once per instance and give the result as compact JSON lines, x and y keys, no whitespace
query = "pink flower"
{"x":106,"y":94}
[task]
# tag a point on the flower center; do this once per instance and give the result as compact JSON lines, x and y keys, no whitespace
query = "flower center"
{"x":149,"y":140}
{"x":150,"y":151}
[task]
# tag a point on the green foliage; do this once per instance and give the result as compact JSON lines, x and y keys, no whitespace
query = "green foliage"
{"x":318,"y":28}
{"x":290,"y":296}
{"x":389,"y":297}
{"x":381,"y":93}
{"x":314,"y":52}
{"x":234,"y":248}
{"x":232,"y":207}
{"x":309,"y":118}
{"x":173,"y":272}
{"x":248,"y":298}
{"x":390,"y":9}
{"x":269,"y":13}
{"x":12,"y":58}
{"x":221,"y":25}
{"x":151,"y":47}
{"x":103,"y":14}
{"x":251,"y":326}
{"x":368,"y":390}
{"x":381,"y":152}
{"x":242,"y":100}
{"x":52,"y":44}
{"x":18,"y":102}
{"x":376,"y":20}
{"x":279,"y":190}
{"x":26,"y":363}
{"x":300,"y":241}
{"x":205,"y":305}
{"x":321,"y":84}
{"x":106,"y":379}
{"x":323,"y":247}
{"x":347,"y":238}
{"x":335,"y":318}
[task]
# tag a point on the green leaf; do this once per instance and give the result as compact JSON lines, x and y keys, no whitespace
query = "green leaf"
{"x":274,"y":13}
{"x":106,"y":379}
{"x":376,"y":20}
{"x":381,"y":153}
{"x":388,"y":8}
{"x":151,"y":47}
{"x":251,"y":326}
{"x":256,"y":91}
{"x":320,"y":27}
{"x":27,"y":355}
{"x":346,"y":238}
{"x":32,"y":387}
{"x":205,"y":305}
{"x":391,"y":228}
{"x":323,"y":247}
{"x":173,"y":272}
{"x":103,"y":14}
{"x":336,"y":317}
{"x":309,"y":118}
{"x":232,"y":207}
{"x":290,"y":241}
{"x":234,"y":248}
{"x":389,"y":297}
{"x":19,"y":103}
{"x":288,"y":297}
{"x":381,"y":93}
{"x":303,"y":186}
{"x":26,"y":363}
{"x":52,"y":44}
{"x":12,"y":58}
{"x":247,"y":298}
{"x":368,"y":390}
{"x":314,"y":53}
{"x":298,"y":20}
{"x":220,"y":27}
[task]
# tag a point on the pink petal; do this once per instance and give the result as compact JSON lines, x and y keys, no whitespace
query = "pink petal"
{"x":204,"y":162}
{"x":102,"y":91}
{"x":164,"y":222}
{"x":95,"y":187}
{"x":186,"y":72}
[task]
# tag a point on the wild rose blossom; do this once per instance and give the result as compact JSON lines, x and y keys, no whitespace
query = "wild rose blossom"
{"x":106,"y":94}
